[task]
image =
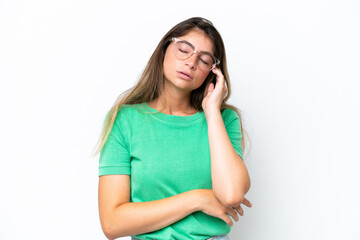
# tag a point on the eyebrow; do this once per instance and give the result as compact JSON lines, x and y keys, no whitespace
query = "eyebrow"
{"x":195,"y":48}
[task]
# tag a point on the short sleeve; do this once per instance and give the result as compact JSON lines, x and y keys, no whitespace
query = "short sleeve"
{"x":115,"y":155}
{"x":233,"y":128}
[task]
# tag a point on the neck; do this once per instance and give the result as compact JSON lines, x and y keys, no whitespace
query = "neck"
{"x":174,"y":102}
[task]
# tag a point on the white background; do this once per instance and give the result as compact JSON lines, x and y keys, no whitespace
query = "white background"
{"x":294,"y":67}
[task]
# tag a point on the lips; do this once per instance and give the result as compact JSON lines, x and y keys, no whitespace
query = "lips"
{"x":184,"y":75}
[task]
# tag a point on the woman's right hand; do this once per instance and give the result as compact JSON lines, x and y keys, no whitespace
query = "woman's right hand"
{"x":210,"y":205}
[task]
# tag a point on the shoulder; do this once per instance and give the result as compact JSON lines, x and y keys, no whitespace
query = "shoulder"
{"x":130,"y":113}
{"x":231,"y":118}
{"x":229,"y":115}
{"x":125,"y":112}
{"x":129,"y":109}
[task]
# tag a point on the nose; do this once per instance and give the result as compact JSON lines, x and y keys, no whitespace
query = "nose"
{"x":191,"y":61}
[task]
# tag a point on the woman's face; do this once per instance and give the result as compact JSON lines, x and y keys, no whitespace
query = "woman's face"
{"x":185,"y":74}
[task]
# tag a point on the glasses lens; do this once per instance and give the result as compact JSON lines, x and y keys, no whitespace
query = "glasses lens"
{"x":183,"y":50}
{"x":206,"y":61}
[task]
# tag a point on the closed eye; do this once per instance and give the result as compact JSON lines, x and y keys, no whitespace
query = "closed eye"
{"x":204,"y":62}
{"x":183,"y":51}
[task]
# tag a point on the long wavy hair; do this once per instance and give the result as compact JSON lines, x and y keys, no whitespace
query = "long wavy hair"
{"x":150,"y":85}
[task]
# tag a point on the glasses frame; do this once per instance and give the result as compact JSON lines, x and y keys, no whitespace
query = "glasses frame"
{"x":216,"y":61}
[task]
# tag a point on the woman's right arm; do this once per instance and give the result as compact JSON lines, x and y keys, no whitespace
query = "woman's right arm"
{"x":119,"y":217}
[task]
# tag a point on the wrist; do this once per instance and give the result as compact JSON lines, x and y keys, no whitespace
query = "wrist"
{"x":197,"y":199}
{"x":212,"y":111}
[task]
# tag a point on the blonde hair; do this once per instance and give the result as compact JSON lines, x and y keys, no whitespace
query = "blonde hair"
{"x":150,"y":85}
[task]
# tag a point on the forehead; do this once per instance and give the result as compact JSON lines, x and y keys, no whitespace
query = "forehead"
{"x":199,"y":39}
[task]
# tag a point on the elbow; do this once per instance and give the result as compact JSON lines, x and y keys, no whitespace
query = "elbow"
{"x":109,"y":237}
{"x":235,"y":201}
{"x":237,"y":197}
{"x":110,"y":232}
{"x":107,"y":230}
{"x":112,"y":225}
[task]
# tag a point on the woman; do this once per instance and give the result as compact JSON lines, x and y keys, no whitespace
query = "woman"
{"x":171,"y":163}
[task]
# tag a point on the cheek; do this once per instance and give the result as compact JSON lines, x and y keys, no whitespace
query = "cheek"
{"x":202,"y":77}
{"x":169,"y":63}
{"x":165,"y":65}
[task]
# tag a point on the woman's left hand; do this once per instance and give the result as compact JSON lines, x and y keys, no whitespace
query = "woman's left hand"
{"x":215,"y":95}
{"x":239,"y":208}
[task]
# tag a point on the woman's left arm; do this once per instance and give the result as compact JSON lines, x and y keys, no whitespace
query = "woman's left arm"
{"x":230,"y":178}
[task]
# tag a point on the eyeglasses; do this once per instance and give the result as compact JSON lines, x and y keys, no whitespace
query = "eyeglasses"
{"x":184,"y":50}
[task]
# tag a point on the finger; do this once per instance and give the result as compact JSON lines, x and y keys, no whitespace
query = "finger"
{"x":247,"y":203}
{"x":220,"y":81}
{"x":219,"y":75}
{"x":217,"y":72}
{"x":210,"y":87}
{"x":239,"y":210}
{"x":233,"y":214}
{"x":227,"y":219}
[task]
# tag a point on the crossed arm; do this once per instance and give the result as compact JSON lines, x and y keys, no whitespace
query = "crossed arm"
{"x":230,"y":178}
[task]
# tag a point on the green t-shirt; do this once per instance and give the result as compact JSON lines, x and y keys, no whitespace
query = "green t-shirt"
{"x":166,"y":155}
